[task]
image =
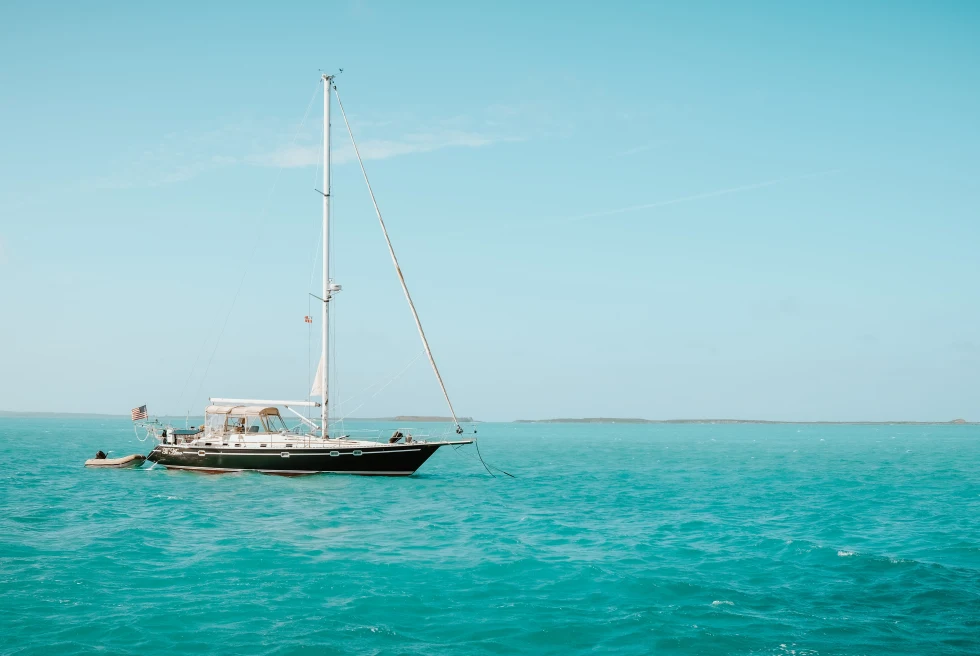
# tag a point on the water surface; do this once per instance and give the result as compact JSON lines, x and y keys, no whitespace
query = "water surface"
{"x":633,"y":539}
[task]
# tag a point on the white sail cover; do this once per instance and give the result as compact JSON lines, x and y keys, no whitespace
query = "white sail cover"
{"x":318,"y":380}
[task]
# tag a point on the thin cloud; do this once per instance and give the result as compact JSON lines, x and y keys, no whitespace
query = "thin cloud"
{"x":289,"y":157}
{"x":148,"y":177}
{"x":710,"y":194}
{"x":373,"y":149}
{"x":180,"y":157}
{"x":639,"y":149}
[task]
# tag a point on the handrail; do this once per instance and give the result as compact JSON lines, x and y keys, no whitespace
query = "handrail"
{"x":309,"y":404}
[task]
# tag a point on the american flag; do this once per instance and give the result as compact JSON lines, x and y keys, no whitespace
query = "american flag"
{"x":139,"y":413}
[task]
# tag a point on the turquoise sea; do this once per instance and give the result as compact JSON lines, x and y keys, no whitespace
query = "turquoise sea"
{"x":627,"y":539}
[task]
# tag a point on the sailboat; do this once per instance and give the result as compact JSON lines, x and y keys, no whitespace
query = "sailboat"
{"x":252,"y":434}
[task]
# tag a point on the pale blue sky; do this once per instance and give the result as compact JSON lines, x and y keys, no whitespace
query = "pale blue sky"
{"x":753,"y":210}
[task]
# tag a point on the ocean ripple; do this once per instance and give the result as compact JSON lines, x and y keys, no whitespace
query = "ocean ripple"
{"x":618,"y":538}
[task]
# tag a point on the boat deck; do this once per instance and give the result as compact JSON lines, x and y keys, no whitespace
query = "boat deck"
{"x":279,"y":441}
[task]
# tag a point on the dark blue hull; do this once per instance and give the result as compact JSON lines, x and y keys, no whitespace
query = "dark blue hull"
{"x":395,"y":460}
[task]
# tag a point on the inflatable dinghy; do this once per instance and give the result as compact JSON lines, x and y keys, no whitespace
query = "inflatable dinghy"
{"x":100,"y":460}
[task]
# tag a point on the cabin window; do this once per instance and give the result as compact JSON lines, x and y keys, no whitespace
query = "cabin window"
{"x":264,"y":424}
{"x":216,"y":424}
{"x":275,"y":423}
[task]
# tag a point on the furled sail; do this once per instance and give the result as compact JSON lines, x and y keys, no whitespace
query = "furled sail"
{"x":318,"y":380}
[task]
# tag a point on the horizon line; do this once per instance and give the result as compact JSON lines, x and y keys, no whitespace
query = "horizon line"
{"x":45,"y":414}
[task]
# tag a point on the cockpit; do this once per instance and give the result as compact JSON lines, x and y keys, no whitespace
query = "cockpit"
{"x":242,"y":419}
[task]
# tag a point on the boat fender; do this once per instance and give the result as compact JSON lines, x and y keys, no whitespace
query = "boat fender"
{"x":100,"y":455}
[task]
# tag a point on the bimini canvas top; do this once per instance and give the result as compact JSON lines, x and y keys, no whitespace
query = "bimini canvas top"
{"x":241,"y":410}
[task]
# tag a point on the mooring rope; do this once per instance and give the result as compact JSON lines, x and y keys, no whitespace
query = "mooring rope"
{"x":486,"y":465}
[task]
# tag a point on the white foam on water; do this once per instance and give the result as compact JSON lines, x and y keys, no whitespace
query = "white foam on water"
{"x":845,"y":554}
{"x":722,"y":603}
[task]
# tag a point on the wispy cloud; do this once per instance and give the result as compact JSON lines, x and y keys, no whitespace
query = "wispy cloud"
{"x":174,"y":157}
{"x":139,"y":177}
{"x":182,"y":157}
{"x":709,"y":194}
{"x":639,"y":149}
{"x":374,"y":149}
{"x":287,"y":157}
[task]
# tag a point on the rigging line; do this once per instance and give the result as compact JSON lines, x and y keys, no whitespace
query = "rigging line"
{"x":309,"y":310}
{"x":262,"y":216}
{"x":318,"y":227}
{"x":376,"y":383}
{"x":309,"y":301}
{"x":194,"y":367}
{"x":309,"y":346}
{"x":398,"y":270}
{"x":318,"y":153}
{"x":393,"y":379}
{"x":333,"y":358}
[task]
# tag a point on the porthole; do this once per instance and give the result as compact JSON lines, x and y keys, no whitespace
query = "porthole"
{"x":357,"y":452}
{"x":335,"y":453}
{"x":284,"y":454}
{"x":202,"y":453}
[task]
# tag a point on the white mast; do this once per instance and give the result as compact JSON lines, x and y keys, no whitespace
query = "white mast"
{"x":325,"y":316}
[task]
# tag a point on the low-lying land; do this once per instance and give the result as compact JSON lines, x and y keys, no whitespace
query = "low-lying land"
{"x":633,"y":420}
{"x":580,"y":420}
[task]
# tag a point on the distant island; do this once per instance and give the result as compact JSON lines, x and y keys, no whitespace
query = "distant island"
{"x":57,"y":415}
{"x":86,"y":415}
{"x":421,"y":418}
{"x":579,"y":420}
{"x":634,"y":420}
